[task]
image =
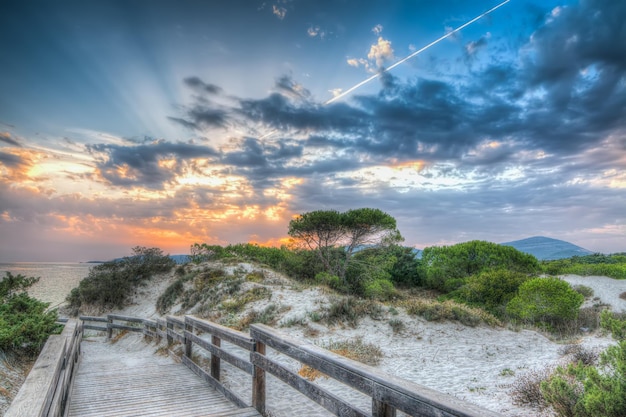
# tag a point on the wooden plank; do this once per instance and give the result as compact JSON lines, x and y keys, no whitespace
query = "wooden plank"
{"x":234,"y":360}
{"x":322,"y":360}
{"x":258,"y":381}
{"x":93,"y":318}
{"x":129,"y":319}
{"x":244,"y":412}
{"x":176,"y":321}
{"x":142,"y":385}
{"x":125,"y":327}
{"x":176,"y":336}
{"x":94,"y":327}
{"x":225,"y":333}
{"x":214,"y":383}
{"x":37,"y":391}
{"x":324,"y":398}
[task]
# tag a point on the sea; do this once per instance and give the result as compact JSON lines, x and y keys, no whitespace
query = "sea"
{"x":56,"y":278}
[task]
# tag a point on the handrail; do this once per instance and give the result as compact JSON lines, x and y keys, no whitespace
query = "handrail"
{"x":388,"y":393}
{"x":46,"y":390}
{"x":214,"y":347}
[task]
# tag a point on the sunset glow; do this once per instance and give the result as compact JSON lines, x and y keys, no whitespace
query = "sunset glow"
{"x":125,"y":125}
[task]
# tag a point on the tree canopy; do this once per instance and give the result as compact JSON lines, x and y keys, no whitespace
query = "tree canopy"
{"x":335,"y":236}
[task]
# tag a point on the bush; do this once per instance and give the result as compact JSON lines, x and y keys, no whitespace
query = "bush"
{"x":457,"y":262}
{"x":333,"y":281}
{"x":587,"y":391}
{"x":562,"y":391}
{"x":584,"y":290}
{"x":111,"y":284}
{"x":450,"y":310}
{"x":614,"y":323}
{"x":379,"y":289}
{"x":491,"y":289}
{"x":24,"y":322}
{"x":549,"y":300}
{"x":169,"y":296}
{"x":350,"y":310}
{"x":613,"y":266}
{"x":526,"y":389}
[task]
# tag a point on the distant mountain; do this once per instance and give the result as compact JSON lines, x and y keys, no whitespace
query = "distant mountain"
{"x":545,"y":248}
{"x":180,"y":259}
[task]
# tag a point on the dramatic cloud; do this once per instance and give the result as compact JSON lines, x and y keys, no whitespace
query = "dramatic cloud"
{"x":8,"y":139}
{"x":513,"y":132}
{"x":150,"y":165}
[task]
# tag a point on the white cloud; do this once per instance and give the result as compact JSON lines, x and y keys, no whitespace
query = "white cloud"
{"x":316,"y":31}
{"x":380,"y":52}
{"x":377,"y":29}
{"x":279,"y":12}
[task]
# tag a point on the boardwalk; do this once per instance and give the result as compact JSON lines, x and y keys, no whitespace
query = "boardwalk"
{"x":115,"y":380}
{"x":113,"y":376}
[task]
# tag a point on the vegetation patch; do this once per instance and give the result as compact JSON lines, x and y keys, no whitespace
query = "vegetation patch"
{"x":238,"y":303}
{"x":111,"y":284}
{"x":350,"y":310}
{"x":25,"y":324}
{"x":613,"y":266}
{"x":583,"y":290}
{"x":548,"y":300}
{"x":450,"y":310}
{"x":354,"y":349}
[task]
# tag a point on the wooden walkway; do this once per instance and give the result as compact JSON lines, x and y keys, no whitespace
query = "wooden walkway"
{"x":100,"y":377}
{"x":117,"y":381}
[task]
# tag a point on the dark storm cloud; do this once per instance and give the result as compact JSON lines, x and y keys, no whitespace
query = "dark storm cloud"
{"x":564,"y":94}
{"x":201,"y":117}
{"x":579,"y":59}
{"x":130,"y":166}
{"x":200,"y":86}
{"x":10,"y":160}
{"x":8,"y":139}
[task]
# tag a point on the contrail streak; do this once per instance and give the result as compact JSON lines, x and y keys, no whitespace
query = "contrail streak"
{"x":351,"y":89}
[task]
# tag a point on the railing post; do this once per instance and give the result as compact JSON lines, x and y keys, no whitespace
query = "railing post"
{"x":258,"y":382}
{"x":169,"y":326}
{"x":109,"y":328}
{"x":188,"y":342}
{"x":381,"y":409}
{"x":215,"y":360}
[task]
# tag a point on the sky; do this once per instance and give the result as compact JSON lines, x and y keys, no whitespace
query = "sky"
{"x":168,"y":123}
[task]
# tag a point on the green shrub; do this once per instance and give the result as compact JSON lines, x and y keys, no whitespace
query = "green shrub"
{"x":169,"y":296}
{"x":24,"y":322}
{"x":549,"y":300}
{"x":457,"y":262}
{"x":379,"y":289}
{"x":613,"y":266}
{"x":614,"y":323}
{"x":405,"y":271}
{"x":350,"y":310}
{"x":584,"y":290}
{"x":333,"y":281}
{"x":562,"y":391}
{"x":588,"y":391}
{"x":110,"y":284}
{"x":491,"y":289}
{"x":450,"y":310}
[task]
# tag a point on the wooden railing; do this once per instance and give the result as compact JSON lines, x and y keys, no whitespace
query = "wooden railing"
{"x":387,"y":393}
{"x":46,"y":390}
